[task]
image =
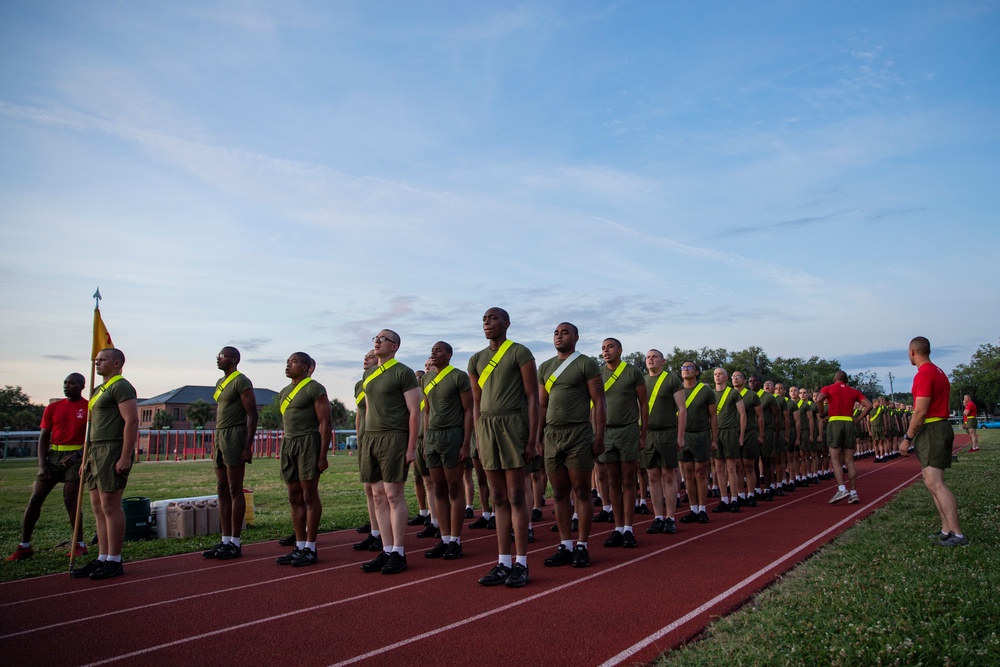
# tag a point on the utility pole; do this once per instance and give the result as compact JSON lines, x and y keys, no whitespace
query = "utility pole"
{"x":892,"y":392}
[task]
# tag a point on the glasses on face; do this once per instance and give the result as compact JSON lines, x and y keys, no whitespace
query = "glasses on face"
{"x":383,"y":339}
{"x":687,"y":368}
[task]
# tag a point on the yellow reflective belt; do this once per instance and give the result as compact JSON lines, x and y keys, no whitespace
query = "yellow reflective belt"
{"x":360,"y":397}
{"x":494,"y":360}
{"x":931,"y":420}
{"x":656,"y":389}
{"x":229,"y":378}
{"x":841,"y":419}
{"x":288,"y":399}
{"x":378,"y":371}
{"x":100,"y":392}
{"x":64,"y":448}
{"x":725,"y":395}
{"x":610,"y":382}
{"x":690,"y":399}
{"x":877,"y":413}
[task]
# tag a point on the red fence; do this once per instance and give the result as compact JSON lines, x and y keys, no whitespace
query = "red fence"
{"x":193,"y":445}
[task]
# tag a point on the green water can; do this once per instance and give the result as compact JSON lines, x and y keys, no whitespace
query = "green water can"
{"x":138,"y":524}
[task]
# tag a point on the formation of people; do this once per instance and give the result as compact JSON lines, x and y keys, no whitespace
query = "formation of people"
{"x":603,"y":435}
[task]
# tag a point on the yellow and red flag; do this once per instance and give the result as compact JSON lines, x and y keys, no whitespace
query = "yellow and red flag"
{"x":102,"y":338}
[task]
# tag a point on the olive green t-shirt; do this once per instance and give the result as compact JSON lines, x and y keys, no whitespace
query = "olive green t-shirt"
{"x":360,"y":407}
{"x":569,"y":397}
{"x":750,"y":402}
{"x":444,"y":400}
{"x":726,"y":408}
{"x":386,"y":409}
{"x":504,"y":389}
{"x":623,"y":404}
{"x":792,"y":409}
{"x":805,"y":414}
{"x":698,"y":418}
{"x":663,"y":411}
{"x":231,"y":411}
{"x":300,"y":415}
{"x":766,"y":402}
{"x":106,"y":421}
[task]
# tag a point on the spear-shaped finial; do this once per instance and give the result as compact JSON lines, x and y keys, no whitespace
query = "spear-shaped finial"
{"x":97,"y":296}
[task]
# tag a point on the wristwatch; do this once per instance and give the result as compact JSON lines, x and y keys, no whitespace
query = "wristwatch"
{"x":906,"y":436}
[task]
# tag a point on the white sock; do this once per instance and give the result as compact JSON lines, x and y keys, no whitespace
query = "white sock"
{"x":226,"y":539}
{"x":487,"y":515}
{"x":310,"y":545}
{"x":842,"y":488}
{"x":234,"y":540}
{"x":376,"y":533}
{"x":434,"y":522}
{"x":725,"y":499}
{"x":300,"y":545}
{"x":522,"y":561}
{"x":446,"y":539}
{"x":25,"y":545}
{"x":582,"y":544}
{"x":575,"y":516}
{"x":568,"y":544}
{"x":607,"y":508}
{"x":399,"y":549}
{"x":102,"y":557}
{"x":115,"y":559}
{"x":627,"y":529}
{"x":659,"y":516}
{"x":424,"y":512}
{"x":456,"y":539}
{"x":642,"y":502}
{"x":619,"y":529}
{"x":505,"y":560}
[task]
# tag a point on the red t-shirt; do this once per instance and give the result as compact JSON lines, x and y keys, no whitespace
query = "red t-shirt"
{"x":67,"y":421}
{"x":971,"y":409}
{"x":931,"y":382}
{"x":842,"y":399}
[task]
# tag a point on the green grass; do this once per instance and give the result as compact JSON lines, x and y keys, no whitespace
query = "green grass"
{"x":881,"y":593}
{"x":342,"y":494}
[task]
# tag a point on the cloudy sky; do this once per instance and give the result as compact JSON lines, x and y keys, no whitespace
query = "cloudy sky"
{"x":811,"y":178}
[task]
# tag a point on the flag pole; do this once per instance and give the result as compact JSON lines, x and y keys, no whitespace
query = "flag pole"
{"x":78,"y":519}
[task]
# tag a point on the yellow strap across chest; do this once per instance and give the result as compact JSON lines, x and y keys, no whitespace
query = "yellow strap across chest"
{"x":378,"y":371}
{"x":725,"y":395}
{"x":494,"y":360}
{"x":100,"y":392}
{"x":229,"y":378}
{"x":656,"y":389}
{"x":690,"y":399}
{"x":360,"y":397}
{"x":288,"y":399}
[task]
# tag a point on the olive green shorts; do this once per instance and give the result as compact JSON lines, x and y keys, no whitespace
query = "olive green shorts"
{"x":228,"y":446}
{"x":100,"y":472}
{"x":501,"y":438}
{"x":779,"y":442}
{"x":934,"y":444}
{"x":697,"y":446}
{"x":419,"y":462}
{"x":804,"y":443}
{"x":660,"y":450}
{"x":385,"y":457}
{"x":751,"y":445}
{"x":442,"y":447}
{"x":878,"y":433}
{"x":841,"y":435}
{"x":569,"y":447}
{"x":299,"y":458}
{"x":58,"y":473}
{"x":621,"y":443}
{"x":972,"y":423}
{"x":769,"y":446}
{"x":729,"y":444}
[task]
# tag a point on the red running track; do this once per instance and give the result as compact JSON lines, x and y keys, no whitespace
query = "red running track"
{"x":628,"y":607}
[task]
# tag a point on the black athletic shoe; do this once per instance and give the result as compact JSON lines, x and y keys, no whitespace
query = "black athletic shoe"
{"x":655,"y":528}
{"x":628,"y":540}
{"x":575,"y":526}
{"x":751,"y":502}
{"x":669,"y":526}
{"x":109,"y":569}
{"x":376,"y":564}
{"x":395,"y":564}
{"x":416,"y":520}
{"x":734,"y":508}
{"x":468,"y":513}
{"x":598,"y":502}
{"x":703,"y":517}
{"x":531,"y":535}
{"x":536,"y":514}
{"x":479,"y":523}
{"x":229,"y":552}
{"x":518,"y":576}
{"x":213,"y":552}
{"x":306,"y":557}
{"x":454,"y":551}
{"x":496,"y":577}
{"x":683,"y":501}
{"x":562,"y":556}
{"x":602,"y":516}
{"x":438,"y":551}
{"x":492,"y":523}
{"x":429,"y":531}
{"x":85,"y":571}
{"x":614,"y":540}
{"x":581,"y":557}
{"x":288,"y":558}
{"x":690,"y":517}
{"x":428,"y":522}
{"x":367,"y":543}
{"x":643,"y":509}
{"x":779,"y":492}
{"x":768,"y":496}
{"x":365,"y":528}
{"x":287,"y":541}
{"x":722,"y":507}
{"x":554,"y":528}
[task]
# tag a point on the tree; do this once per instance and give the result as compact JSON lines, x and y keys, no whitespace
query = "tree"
{"x":751,"y":361}
{"x":980,"y":378}
{"x":339,"y":416}
{"x":162,"y":420}
{"x":199,"y":413}
{"x":17,"y":412}
{"x":270,"y":416}
{"x":637,"y":359}
{"x":867,"y":383}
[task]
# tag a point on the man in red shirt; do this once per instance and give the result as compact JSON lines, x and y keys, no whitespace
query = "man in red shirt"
{"x":842,"y":433}
{"x":932,"y":437}
{"x":971,"y":418}
{"x":64,"y":427}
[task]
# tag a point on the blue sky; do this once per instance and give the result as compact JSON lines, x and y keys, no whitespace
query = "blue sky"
{"x":812,"y":178}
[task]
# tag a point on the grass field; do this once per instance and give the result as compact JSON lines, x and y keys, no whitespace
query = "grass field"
{"x":882,"y":593}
